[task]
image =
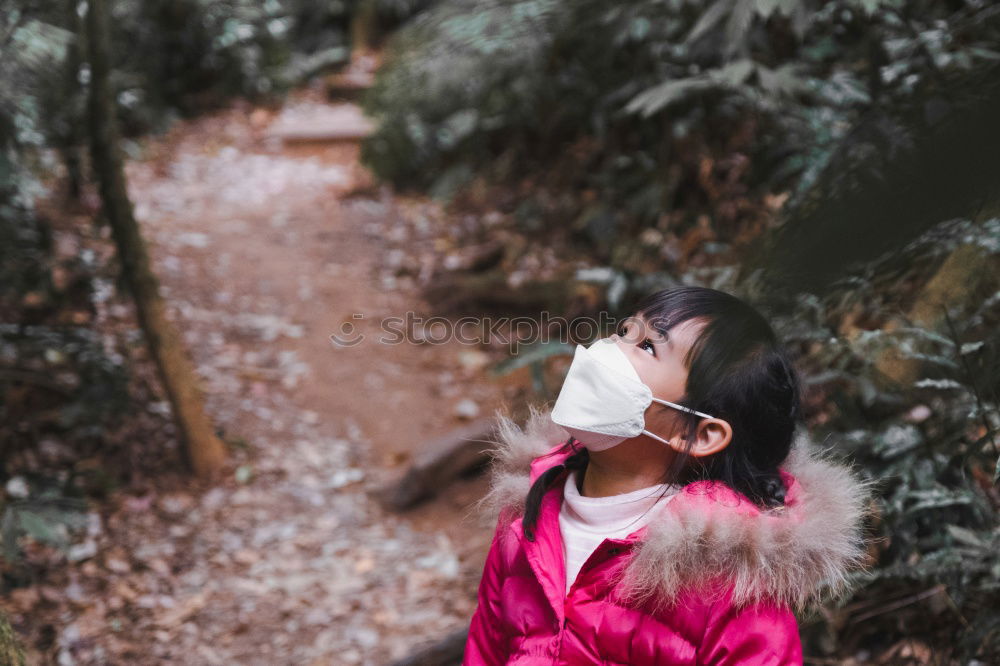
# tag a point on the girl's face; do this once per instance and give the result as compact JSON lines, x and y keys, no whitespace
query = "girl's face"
{"x":659,"y":362}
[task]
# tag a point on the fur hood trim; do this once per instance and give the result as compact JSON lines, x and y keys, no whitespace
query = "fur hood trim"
{"x":800,"y":554}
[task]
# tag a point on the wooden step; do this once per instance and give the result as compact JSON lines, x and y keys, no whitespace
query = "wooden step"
{"x":349,"y":85}
{"x":323,"y":124}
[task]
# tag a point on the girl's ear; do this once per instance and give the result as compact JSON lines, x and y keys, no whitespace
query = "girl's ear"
{"x":712,"y":436}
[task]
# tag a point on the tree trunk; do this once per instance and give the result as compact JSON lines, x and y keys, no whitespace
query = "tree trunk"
{"x":364,"y":27}
{"x":205,"y":451}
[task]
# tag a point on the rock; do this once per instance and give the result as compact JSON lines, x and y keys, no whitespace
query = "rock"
{"x":466,"y":409}
{"x":82,"y":551}
{"x":176,"y":504}
{"x":343,"y":477}
{"x":17,"y":487}
{"x":473,"y":360}
{"x":918,"y":414}
{"x":214,"y":498}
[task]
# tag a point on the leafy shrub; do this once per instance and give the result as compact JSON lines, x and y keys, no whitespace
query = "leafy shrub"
{"x":933,"y":444}
{"x":660,"y":108}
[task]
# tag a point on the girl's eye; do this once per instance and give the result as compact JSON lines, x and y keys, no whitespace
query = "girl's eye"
{"x":652,"y":348}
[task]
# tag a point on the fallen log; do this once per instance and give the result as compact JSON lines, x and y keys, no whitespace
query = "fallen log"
{"x":448,"y":651}
{"x":491,"y":291}
{"x":438,"y":463}
{"x":477,"y":258}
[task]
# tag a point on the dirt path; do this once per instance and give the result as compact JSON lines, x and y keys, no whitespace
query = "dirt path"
{"x":262,"y":256}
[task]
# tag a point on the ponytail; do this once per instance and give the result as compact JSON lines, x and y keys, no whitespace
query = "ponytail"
{"x":533,"y":504}
{"x":767,"y":489}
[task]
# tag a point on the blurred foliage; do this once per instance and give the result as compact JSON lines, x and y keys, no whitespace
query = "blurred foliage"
{"x":185,"y":56}
{"x":60,"y":393}
{"x":653,"y":112}
{"x":50,"y":519}
{"x":30,"y":49}
{"x":393,"y":12}
{"x":79,"y":384}
{"x":933,"y":444}
{"x":171,"y":57}
{"x":534,"y":357}
{"x":903,"y":168}
{"x":62,"y":385}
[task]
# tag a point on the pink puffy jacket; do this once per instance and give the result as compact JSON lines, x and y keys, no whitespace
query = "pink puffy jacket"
{"x":711,"y":580}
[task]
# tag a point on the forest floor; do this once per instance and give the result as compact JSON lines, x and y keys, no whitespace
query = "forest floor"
{"x":264,"y":249}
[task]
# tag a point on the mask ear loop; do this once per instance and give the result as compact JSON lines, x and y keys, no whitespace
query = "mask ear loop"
{"x":676,"y":406}
{"x":646,"y":432}
{"x":683,"y":408}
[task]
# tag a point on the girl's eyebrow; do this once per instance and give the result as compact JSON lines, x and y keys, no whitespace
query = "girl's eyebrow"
{"x":661,"y":338}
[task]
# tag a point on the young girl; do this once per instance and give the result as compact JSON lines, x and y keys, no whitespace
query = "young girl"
{"x":665,"y":512}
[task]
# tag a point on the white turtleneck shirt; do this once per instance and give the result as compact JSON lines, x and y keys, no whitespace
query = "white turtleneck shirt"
{"x":585,"y":522}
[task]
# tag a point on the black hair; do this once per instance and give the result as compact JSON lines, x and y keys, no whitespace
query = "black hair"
{"x":737,"y":371}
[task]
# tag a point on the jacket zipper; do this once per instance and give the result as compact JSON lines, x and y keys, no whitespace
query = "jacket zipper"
{"x":614,"y":550}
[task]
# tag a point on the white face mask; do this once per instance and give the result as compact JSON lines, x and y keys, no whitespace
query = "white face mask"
{"x":603,"y":401}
